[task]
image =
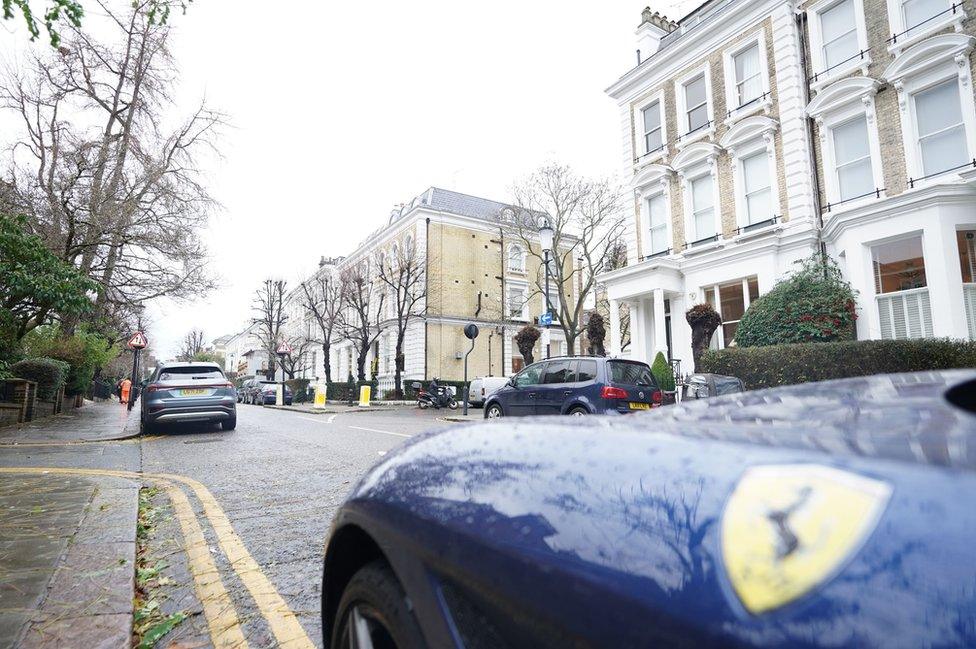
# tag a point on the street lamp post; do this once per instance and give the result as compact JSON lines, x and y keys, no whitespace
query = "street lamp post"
{"x":133,"y":390}
{"x":545,"y":242}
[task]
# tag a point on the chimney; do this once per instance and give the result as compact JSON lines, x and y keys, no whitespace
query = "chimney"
{"x":322,"y":261}
{"x":652,"y":29}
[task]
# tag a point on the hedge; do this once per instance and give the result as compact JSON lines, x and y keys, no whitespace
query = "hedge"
{"x":765,"y":367}
{"x":48,"y":373}
{"x":299,"y":389}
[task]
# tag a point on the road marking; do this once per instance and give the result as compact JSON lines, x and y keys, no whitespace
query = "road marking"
{"x":317,"y":421}
{"x":376,"y":430}
{"x":332,"y":418}
{"x":280,"y":618}
{"x":76,"y":442}
{"x":225,"y":627}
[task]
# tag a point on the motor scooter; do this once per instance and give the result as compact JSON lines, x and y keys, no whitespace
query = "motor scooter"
{"x":426,"y":400}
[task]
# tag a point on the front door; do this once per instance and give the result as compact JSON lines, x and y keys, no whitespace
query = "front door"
{"x":557,"y":386}
{"x":523,"y":397}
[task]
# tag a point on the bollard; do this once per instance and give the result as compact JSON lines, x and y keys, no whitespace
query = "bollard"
{"x":319,"y":396}
{"x":364,"y":393}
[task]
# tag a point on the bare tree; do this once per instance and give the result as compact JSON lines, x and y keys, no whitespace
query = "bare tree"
{"x":587,"y":223}
{"x":102,"y":183}
{"x":322,"y":300}
{"x":362,"y":301}
{"x":295,"y":361}
{"x":403,"y":275}
{"x":270,"y":318}
{"x":191,"y":346}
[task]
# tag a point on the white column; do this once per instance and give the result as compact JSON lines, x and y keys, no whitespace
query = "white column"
{"x":638,"y":331}
{"x":944,"y":279}
{"x":861,"y":277}
{"x":660,"y":331}
{"x":614,"y":328}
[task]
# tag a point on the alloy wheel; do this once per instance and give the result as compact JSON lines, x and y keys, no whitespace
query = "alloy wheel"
{"x":363,"y":631}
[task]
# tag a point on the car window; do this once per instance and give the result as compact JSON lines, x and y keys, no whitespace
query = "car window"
{"x":530,"y":375}
{"x":176,"y":373}
{"x":585,"y":371}
{"x":560,"y":372}
{"x":630,"y":373}
{"x":727,"y":386}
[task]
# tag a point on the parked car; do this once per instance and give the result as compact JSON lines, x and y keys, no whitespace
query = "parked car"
{"x":835,"y":514}
{"x":188,"y":392}
{"x":265,"y":393}
{"x":483,"y":387}
{"x":241,"y":385}
{"x":704,"y":386}
{"x":576,"y":386}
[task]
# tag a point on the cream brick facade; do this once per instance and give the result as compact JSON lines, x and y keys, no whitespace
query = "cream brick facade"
{"x":806,"y":100}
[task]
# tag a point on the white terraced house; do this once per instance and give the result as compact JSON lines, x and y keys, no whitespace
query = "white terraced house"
{"x":756,"y":132}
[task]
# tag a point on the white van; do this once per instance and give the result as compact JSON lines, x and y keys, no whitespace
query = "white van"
{"x":483,"y":387}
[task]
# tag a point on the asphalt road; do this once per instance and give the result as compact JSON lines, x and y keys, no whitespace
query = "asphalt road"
{"x":280,"y":477}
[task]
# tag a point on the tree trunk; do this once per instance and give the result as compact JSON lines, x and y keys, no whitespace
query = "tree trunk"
{"x":361,"y":363}
{"x":326,"y":353}
{"x":398,"y":368}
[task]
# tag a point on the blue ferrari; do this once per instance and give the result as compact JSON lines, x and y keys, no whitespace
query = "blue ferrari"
{"x":838,"y":514}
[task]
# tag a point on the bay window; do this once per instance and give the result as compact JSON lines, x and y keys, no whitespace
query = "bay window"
{"x":852,"y":159}
{"x":731,"y":300}
{"x":940,"y":128}
{"x":901,"y":289}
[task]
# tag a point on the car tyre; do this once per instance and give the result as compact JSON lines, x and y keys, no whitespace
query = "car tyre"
{"x":578,"y":411}
{"x":145,"y":427}
{"x":494,"y":411}
{"x":375,"y":612}
{"x":229,"y":424}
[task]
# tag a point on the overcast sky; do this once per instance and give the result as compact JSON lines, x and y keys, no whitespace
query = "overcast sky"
{"x":341,"y":110}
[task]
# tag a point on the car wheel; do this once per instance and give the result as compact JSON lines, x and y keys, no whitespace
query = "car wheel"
{"x":494,"y":411}
{"x":229,"y":424}
{"x":374,"y":612}
{"x":145,"y":428}
{"x":578,"y":411}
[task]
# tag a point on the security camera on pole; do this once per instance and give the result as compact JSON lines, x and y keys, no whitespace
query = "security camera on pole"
{"x":284,"y":349}
{"x":545,"y":242}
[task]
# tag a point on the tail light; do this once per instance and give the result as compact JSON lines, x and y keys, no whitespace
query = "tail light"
{"x":657,"y":397}
{"x":152,"y":387}
{"x":610,"y":392}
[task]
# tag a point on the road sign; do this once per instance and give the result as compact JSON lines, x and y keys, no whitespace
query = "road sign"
{"x":138,"y":341}
{"x":545,"y":319}
{"x":284,"y":349}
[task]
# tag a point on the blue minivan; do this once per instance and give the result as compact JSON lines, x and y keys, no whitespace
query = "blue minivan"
{"x":576,"y":386}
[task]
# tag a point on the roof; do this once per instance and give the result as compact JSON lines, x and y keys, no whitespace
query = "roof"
{"x":445,"y":200}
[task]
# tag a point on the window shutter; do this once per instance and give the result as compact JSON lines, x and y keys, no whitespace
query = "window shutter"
{"x":969,"y":301}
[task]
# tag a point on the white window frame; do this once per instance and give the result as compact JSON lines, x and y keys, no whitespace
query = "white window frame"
{"x":697,"y":173}
{"x":708,"y":131}
{"x":923,"y":66}
{"x":653,"y":181}
{"x":896,"y":21}
{"x":747,"y":138}
{"x":824,"y":77}
{"x":646,"y":213}
{"x":642,"y":158}
{"x":764,"y":103}
{"x":836,"y":105}
{"x":522,"y":258}
{"x":715,"y":291}
{"x":524,"y":287}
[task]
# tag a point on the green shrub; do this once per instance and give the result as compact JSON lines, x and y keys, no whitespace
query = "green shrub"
{"x":661,"y":370}
{"x":765,"y":367}
{"x":813,"y":304}
{"x":84,"y":352}
{"x":299,"y":389}
{"x":48,"y":373}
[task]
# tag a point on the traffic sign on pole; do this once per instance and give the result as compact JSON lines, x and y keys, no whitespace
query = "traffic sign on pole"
{"x":545,"y":319}
{"x":284,"y":349}
{"x":138,"y":340}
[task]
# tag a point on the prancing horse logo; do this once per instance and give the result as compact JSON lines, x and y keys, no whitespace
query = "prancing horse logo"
{"x":787,"y":528}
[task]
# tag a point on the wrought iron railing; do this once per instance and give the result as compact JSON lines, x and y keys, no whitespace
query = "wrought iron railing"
{"x":758,"y":225}
{"x":701,"y":242}
{"x":876,"y":193}
{"x":816,"y":76}
{"x":655,"y":255}
{"x":748,"y":103}
{"x":695,"y":130}
{"x":649,"y":153}
{"x":953,"y":9}
{"x":912,"y":181}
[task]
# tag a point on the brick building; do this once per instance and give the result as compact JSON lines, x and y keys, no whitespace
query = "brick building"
{"x":756,"y":132}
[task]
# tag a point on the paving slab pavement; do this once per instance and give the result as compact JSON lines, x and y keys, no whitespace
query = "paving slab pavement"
{"x":99,"y":421}
{"x":67,"y":556}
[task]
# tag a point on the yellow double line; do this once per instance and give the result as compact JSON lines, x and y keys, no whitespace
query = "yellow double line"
{"x":222,"y":619}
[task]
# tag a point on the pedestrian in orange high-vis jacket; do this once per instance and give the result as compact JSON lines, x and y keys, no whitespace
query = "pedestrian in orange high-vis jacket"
{"x":126,"y":388}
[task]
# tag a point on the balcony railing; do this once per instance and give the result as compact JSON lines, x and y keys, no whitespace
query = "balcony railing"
{"x":656,"y":255}
{"x":701,"y":242}
{"x":735,"y":110}
{"x":757,"y":225}
{"x":905,"y":314}
{"x":649,"y":153}
{"x":966,"y":165}
{"x":876,"y":193}
{"x":951,"y":10}
{"x":816,"y":77}
{"x":695,"y":130}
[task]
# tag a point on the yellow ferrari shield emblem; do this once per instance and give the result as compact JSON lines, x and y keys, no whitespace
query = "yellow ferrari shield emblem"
{"x":787,"y":528}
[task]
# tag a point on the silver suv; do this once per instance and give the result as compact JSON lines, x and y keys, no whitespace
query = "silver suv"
{"x":188,"y":392}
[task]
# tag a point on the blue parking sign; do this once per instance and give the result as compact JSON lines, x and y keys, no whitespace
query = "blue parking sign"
{"x":545,"y":319}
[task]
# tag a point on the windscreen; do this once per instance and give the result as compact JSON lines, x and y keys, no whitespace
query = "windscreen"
{"x":192,"y":373}
{"x":630,"y":373}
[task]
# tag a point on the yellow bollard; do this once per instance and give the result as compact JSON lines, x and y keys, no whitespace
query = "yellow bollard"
{"x":319,"y":396}
{"x":364,"y":394}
